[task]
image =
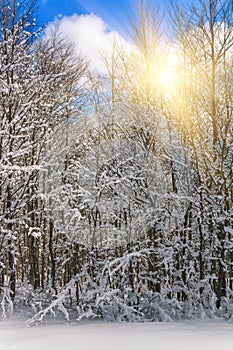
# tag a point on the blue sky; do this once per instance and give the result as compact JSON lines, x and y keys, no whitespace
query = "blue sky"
{"x":113,"y":12}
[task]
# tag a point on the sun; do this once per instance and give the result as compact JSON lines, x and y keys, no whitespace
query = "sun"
{"x":167,"y":74}
{"x":167,"y":79}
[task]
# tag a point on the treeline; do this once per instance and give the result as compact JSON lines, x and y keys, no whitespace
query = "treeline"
{"x":116,"y":194}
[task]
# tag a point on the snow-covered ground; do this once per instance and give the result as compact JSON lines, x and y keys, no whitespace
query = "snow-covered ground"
{"x":14,"y":335}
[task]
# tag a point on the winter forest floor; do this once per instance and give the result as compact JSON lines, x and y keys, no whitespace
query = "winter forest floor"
{"x":15,"y":335}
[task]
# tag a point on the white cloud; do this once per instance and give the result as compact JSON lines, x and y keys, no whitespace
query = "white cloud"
{"x":91,"y":37}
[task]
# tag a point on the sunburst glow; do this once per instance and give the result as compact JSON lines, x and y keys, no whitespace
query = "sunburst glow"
{"x":167,"y":79}
{"x":167,"y":74}
{"x":164,"y":74}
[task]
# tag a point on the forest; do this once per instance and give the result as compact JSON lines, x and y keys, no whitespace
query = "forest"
{"x":116,"y":189}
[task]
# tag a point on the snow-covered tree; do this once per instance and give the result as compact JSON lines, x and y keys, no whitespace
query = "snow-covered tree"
{"x":203,"y":113}
{"x":41,"y":83}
